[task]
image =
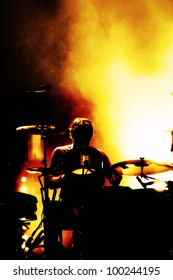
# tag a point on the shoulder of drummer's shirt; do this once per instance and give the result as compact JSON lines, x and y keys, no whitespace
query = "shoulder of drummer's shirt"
{"x":65,"y":147}
{"x":70,"y":146}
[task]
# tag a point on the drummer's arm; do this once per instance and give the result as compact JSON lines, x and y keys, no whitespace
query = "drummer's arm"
{"x":112,"y":175}
{"x":115,"y":178}
{"x":56,"y":182}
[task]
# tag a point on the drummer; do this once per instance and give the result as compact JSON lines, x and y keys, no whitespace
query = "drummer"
{"x":80,"y":171}
{"x":79,"y":168}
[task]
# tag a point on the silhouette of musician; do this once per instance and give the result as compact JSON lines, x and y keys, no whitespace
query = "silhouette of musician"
{"x":79,"y":169}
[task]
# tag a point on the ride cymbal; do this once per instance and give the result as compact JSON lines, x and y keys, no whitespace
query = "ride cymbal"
{"x":141,"y":167}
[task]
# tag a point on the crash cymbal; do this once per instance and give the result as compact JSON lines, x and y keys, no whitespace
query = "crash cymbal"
{"x":141,"y":167}
{"x":42,"y":129}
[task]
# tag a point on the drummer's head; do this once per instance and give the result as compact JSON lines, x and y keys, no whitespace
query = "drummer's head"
{"x":81,"y":131}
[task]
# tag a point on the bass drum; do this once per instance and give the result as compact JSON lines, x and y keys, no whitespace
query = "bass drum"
{"x":128,"y":224}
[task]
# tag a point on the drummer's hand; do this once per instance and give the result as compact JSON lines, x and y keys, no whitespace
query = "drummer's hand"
{"x":56,"y":182}
{"x":116,"y":179}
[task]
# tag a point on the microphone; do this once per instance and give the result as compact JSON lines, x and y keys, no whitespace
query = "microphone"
{"x":39,"y":89}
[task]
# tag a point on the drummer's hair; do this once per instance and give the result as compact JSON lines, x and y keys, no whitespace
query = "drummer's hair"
{"x":78,"y":124}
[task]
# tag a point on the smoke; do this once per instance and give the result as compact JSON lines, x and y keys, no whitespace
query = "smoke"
{"x":110,"y":61}
{"x":121,"y":60}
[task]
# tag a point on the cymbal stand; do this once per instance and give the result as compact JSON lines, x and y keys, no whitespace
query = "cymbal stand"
{"x":45,"y":196}
{"x":44,"y":130}
{"x":144,"y":185}
{"x":142,"y":175}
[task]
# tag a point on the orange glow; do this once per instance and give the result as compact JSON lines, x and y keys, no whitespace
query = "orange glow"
{"x":67,"y":236}
{"x":23,"y":179}
{"x":160,"y":186}
{"x":23,"y":189}
{"x":35,"y":147}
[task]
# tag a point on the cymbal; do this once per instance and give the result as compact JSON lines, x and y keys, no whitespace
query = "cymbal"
{"x":141,"y":167}
{"x":37,"y":169}
{"x":42,"y":129}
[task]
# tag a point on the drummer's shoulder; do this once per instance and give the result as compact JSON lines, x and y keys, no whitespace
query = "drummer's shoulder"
{"x":63,"y":148}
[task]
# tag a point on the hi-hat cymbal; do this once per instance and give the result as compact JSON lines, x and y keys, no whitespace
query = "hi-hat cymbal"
{"x":42,"y":129}
{"x":38,"y":169}
{"x":141,"y":167}
{"x":34,"y":170}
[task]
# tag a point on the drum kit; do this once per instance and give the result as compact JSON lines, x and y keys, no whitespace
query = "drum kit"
{"x":141,"y":168}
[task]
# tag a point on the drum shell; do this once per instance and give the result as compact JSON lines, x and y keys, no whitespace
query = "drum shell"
{"x":19,"y":205}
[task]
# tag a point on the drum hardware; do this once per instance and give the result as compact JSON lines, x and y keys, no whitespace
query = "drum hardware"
{"x":144,"y":185}
{"x":44,"y":131}
{"x":149,"y":183}
{"x":37,"y":170}
{"x":141,"y":167}
{"x":32,"y":243}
